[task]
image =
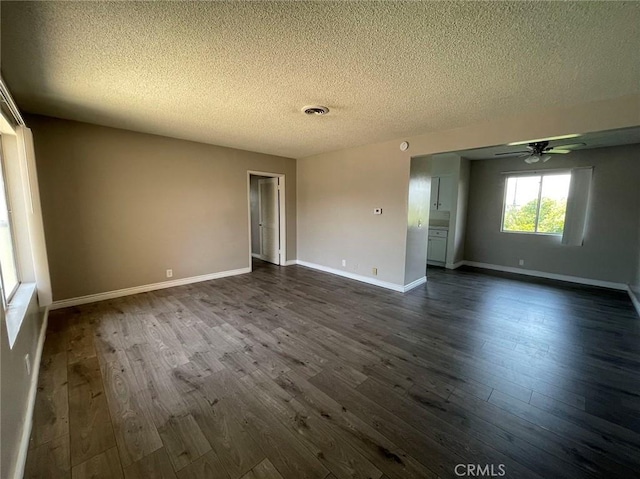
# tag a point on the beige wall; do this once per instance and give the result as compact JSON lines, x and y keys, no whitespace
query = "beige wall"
{"x":122,"y":207}
{"x":15,"y":384}
{"x":418,"y":219}
{"x":337,"y":194}
{"x":338,"y":190}
{"x":460,"y":217}
{"x":611,"y":240}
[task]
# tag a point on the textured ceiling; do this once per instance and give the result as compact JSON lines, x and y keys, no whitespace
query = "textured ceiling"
{"x":237,"y":73}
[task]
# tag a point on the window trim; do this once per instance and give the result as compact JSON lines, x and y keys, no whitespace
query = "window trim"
{"x":525,"y":174}
{"x":33,"y":295}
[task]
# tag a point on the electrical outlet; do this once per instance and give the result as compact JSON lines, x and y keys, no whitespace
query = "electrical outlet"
{"x":521,"y":262}
{"x":27,"y":364}
{"x":169,"y":273}
{"x":374,"y":271}
{"x":344,"y":262}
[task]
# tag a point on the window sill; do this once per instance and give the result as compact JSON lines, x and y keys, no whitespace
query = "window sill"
{"x":532,"y":233}
{"x":17,"y":310}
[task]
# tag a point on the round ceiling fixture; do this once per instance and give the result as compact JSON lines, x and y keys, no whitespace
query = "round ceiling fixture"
{"x":315,"y":110}
{"x":404,"y":146}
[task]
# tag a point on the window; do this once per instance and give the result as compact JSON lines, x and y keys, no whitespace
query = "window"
{"x":8,"y":268}
{"x":24,"y":271}
{"x":536,"y":204}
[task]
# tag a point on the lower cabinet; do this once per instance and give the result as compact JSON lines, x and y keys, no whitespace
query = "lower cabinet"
{"x":437,"y":249}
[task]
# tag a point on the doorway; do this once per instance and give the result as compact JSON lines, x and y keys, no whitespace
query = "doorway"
{"x":267,"y":225}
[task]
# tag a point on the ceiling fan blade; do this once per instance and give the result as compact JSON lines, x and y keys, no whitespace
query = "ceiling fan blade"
{"x":570,"y":147}
{"x":511,"y":153}
{"x":557,"y":152}
{"x":545,"y":158}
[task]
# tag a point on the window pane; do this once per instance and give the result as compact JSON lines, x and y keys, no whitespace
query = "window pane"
{"x":521,"y":203}
{"x":7,"y":254}
{"x":553,"y":203}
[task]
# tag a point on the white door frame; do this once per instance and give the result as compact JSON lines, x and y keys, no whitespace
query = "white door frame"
{"x":282,"y":217}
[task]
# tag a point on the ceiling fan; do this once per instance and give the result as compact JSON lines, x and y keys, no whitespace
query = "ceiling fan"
{"x":541,"y":151}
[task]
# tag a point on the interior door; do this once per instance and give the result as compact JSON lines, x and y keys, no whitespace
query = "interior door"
{"x":269,"y":220}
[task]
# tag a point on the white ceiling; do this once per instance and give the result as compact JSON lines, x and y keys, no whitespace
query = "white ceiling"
{"x":237,"y":73}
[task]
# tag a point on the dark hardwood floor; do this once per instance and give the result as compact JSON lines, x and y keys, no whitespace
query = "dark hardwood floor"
{"x":293,"y":373}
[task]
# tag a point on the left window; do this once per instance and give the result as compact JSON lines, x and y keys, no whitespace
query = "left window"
{"x":8,"y":266}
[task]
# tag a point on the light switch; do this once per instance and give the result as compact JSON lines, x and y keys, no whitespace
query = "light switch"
{"x":377,"y":211}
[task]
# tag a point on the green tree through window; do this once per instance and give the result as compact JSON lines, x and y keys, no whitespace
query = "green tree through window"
{"x":536,"y":204}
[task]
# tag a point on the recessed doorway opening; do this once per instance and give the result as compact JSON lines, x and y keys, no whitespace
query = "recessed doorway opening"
{"x":267,"y":224}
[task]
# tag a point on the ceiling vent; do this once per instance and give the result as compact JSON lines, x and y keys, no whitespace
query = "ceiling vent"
{"x":315,"y":110}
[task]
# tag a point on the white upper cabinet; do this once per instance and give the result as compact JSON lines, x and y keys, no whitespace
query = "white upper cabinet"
{"x":442,"y":193}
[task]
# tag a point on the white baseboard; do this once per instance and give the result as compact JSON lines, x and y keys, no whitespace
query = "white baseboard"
{"x":414,"y":284}
{"x":635,"y":299}
{"x":21,"y":460}
{"x":357,"y":277}
{"x":454,"y":265}
{"x":291,"y":262}
{"x":92,"y":298}
{"x":256,"y":255}
{"x":544,"y":274}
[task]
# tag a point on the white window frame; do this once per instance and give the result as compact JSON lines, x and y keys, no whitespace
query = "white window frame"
{"x":7,"y":297}
{"x":530,"y":174}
